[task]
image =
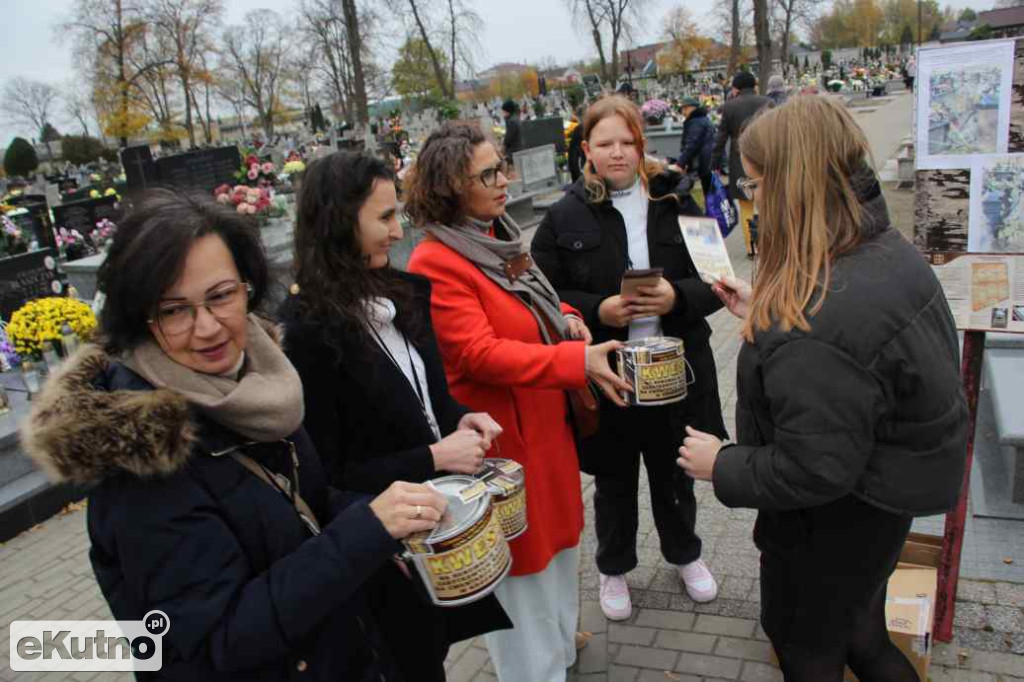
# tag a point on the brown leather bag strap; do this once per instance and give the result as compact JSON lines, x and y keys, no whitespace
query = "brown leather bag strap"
{"x":303,"y":509}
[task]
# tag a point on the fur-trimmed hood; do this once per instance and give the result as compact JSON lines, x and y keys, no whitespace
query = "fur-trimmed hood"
{"x":84,"y":428}
{"x":95,"y":418}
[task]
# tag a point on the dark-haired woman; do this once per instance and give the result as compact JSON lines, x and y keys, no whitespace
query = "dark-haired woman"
{"x":208,"y":502}
{"x":377,"y":403}
{"x":510,"y":347}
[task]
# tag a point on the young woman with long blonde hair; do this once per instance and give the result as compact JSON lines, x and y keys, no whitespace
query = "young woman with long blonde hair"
{"x":850,"y":414}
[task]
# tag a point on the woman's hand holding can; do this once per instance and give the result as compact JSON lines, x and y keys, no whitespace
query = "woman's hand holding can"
{"x":407,"y":508}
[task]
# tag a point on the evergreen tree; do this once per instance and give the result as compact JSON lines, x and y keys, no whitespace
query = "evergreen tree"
{"x":20,"y":158}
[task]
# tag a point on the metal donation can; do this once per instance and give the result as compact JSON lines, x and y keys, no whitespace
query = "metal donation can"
{"x":465,"y":557}
{"x":655,"y":367}
{"x":506,"y":482}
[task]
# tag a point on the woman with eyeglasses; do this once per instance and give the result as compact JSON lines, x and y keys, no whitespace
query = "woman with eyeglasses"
{"x":851,"y":415}
{"x":510,"y":349}
{"x":377,"y":404}
{"x":624,"y":214}
{"x":207,"y":500}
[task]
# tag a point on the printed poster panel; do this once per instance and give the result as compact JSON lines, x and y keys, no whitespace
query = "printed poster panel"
{"x":984,"y":292}
{"x":964,"y":102}
{"x":996,"y":220}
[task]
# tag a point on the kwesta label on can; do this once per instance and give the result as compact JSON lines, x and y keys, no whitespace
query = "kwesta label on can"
{"x":477,"y":557}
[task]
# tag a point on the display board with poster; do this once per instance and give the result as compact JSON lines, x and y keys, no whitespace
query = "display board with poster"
{"x":969,"y":212}
{"x":969,"y":224}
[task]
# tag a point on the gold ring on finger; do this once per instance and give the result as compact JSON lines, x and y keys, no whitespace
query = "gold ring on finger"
{"x":419,"y":511}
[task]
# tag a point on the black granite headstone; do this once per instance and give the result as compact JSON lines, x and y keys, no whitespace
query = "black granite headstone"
{"x":22,"y":199}
{"x":139,"y":167}
{"x":28,"y":276}
{"x":205,"y":169}
{"x":36,"y":225}
{"x":542,"y":131}
{"x":83,"y":215}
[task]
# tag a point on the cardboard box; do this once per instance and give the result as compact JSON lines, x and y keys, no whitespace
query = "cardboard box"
{"x":910,"y":602}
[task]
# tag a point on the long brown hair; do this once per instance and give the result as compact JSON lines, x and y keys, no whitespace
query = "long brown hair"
{"x":606,"y":107}
{"x":807,"y":152}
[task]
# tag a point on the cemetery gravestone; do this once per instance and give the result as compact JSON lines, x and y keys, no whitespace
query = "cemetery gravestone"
{"x":28,"y":276}
{"x":139,"y":167}
{"x":35,"y":225}
{"x":542,"y":131}
{"x":83,"y":215}
{"x":204,"y":169}
{"x":536,"y":168}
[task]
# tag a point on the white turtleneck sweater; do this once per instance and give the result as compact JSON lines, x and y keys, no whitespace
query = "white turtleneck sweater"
{"x":632,"y":203}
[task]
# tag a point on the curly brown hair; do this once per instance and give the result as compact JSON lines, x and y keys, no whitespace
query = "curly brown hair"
{"x":434,"y":184}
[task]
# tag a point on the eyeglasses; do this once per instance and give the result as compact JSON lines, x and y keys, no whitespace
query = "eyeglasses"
{"x":226,"y":302}
{"x":748,"y":186}
{"x":489,"y":176}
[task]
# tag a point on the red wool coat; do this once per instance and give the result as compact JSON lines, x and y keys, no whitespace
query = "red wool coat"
{"x":497,"y":362}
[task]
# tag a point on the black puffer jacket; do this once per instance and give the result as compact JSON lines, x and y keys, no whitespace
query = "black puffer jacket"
{"x":868,"y":402}
{"x":250,"y":595}
{"x":583,"y":250}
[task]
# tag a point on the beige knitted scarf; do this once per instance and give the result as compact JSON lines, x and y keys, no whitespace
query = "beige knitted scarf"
{"x":264,"y":403}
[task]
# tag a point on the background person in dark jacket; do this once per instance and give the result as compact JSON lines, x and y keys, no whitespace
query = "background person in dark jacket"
{"x":513,"y":133}
{"x":624,"y":214}
{"x":576,"y":156}
{"x":377,"y":402}
{"x":736,"y":114}
{"x":698,"y":143}
{"x":851,"y":415}
{"x":154,"y":420}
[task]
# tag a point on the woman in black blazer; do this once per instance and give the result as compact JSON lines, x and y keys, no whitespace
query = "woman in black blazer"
{"x":377,"y":402}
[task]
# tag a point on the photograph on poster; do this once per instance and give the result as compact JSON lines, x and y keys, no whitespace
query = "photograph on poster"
{"x":964,"y":110}
{"x":996,"y":222}
{"x":963,"y":102}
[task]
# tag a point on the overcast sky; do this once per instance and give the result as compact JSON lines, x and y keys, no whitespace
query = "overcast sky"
{"x":514,"y":31}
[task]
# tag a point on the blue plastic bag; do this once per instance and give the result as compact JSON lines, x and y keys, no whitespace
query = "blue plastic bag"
{"x":721,"y":207}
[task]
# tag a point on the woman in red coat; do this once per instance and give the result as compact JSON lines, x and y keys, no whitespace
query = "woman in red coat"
{"x":511,"y":349}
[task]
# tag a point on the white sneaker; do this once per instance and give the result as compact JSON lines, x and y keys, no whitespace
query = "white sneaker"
{"x":615,"y":597}
{"x":699,"y":582}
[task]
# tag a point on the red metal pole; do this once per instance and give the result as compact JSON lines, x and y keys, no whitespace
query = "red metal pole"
{"x":953,"y":538}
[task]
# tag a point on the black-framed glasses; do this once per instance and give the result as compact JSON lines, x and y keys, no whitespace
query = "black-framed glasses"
{"x":489,"y":176}
{"x":748,"y":186}
{"x":225,"y":302}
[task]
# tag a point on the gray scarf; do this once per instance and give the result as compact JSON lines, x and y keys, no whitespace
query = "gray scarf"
{"x":264,"y":404}
{"x":489,"y":254}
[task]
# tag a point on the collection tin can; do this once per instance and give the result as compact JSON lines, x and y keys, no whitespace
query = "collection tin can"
{"x":465,"y":557}
{"x":506,"y":482}
{"x":655,"y":367}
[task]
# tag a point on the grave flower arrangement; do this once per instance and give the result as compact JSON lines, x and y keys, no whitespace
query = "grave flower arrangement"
{"x":8,"y":357}
{"x":254,"y":201}
{"x":12,"y":241}
{"x":103,"y":234}
{"x":256,"y":173}
{"x":108,"y":192}
{"x":654,"y":111}
{"x":73,"y":244}
{"x":40,"y":321}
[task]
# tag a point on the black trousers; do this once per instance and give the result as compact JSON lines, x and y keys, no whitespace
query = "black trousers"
{"x":823,"y":585}
{"x":653,"y":433}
